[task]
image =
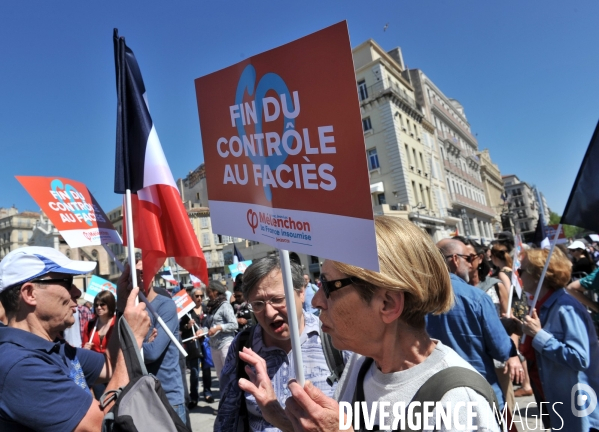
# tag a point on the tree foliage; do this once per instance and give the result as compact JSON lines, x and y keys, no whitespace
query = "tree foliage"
{"x":569,"y":230}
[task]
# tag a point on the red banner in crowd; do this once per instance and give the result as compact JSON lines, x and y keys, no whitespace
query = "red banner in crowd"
{"x":72,"y":209}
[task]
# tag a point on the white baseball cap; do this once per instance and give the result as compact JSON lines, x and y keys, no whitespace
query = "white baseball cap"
{"x":28,"y":263}
{"x":577,"y":244}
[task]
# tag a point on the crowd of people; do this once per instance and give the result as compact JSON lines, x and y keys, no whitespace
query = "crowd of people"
{"x":433,"y":310}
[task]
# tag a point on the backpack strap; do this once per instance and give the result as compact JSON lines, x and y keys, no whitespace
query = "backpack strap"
{"x":244,"y":339}
{"x":448,"y":379}
{"x":436,"y":387}
{"x":332,"y":355}
{"x":131,"y":352}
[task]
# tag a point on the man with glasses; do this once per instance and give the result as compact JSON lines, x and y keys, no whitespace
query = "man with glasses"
{"x":44,"y":382}
{"x":472,"y":327}
{"x":271,"y":340}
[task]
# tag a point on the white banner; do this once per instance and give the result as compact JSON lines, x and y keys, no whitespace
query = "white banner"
{"x":300,"y":231}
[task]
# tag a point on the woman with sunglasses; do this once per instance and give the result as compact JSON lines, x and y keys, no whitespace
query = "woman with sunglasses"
{"x":380,"y":316}
{"x":100,"y":330}
{"x":188,"y":326}
{"x":561,"y":346}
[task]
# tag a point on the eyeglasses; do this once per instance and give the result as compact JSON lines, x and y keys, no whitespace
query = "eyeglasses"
{"x":66,"y":282}
{"x":467,"y":258}
{"x":100,"y":305}
{"x":199,"y":296}
{"x":277,"y":302}
{"x":522,"y":270}
{"x":330,"y":286}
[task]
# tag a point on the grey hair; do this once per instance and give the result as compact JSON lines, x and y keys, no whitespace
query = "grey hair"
{"x":193,"y":291}
{"x":264,"y":266}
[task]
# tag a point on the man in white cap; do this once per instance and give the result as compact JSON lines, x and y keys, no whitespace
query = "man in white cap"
{"x":44,"y":382}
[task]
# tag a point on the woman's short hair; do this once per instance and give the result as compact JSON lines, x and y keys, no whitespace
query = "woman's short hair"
{"x":263,"y":267}
{"x":108,"y":298}
{"x":502,"y":252}
{"x":558,"y":272}
{"x":409,"y":262}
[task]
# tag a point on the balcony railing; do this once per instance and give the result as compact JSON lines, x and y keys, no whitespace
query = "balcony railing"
{"x":465,"y":201}
{"x":376,"y":90}
{"x":457,"y":170}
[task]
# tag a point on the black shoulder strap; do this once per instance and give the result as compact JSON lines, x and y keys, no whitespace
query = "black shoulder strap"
{"x":244,"y":339}
{"x":131,"y":353}
{"x":332,"y":355}
{"x":435,"y":388}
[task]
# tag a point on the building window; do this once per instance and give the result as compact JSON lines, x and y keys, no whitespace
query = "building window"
{"x":205,"y":239}
{"x":373,"y":159}
{"x":366,"y":124}
{"x":204,"y":222}
{"x":381,"y":199}
{"x":362,"y":90}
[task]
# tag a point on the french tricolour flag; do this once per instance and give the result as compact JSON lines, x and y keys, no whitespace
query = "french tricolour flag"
{"x":161,"y":226}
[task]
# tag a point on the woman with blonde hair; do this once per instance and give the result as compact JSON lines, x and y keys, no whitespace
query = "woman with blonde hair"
{"x":380,"y":316}
{"x":561,"y":345}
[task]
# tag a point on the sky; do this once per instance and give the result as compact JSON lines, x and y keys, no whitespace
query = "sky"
{"x":526,"y":72}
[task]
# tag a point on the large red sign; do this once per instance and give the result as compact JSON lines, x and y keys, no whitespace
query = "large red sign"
{"x":72,"y":209}
{"x":284,"y":150}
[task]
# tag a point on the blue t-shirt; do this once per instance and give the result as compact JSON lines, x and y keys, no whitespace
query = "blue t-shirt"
{"x":44,"y":386}
{"x":161,"y":355}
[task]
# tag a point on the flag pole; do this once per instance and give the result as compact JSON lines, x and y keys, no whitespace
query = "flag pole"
{"x":296,"y":346}
{"x":148,"y":305}
{"x":514,"y":277}
{"x":538,"y":291}
{"x":509,"y":301}
{"x":130,"y":240}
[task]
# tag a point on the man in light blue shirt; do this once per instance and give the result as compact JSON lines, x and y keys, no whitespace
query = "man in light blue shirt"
{"x":472,"y":327}
{"x":309,"y":291}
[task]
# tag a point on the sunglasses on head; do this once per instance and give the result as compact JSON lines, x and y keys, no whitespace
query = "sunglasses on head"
{"x":330,"y":286}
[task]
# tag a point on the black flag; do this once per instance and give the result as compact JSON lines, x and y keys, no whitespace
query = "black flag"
{"x":582,"y":209}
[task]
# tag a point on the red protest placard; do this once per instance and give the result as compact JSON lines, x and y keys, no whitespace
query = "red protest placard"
{"x":284,"y":150}
{"x":184,"y":303}
{"x":72,"y":209}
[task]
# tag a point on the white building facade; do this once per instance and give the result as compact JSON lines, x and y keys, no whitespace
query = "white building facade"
{"x":400,"y":144}
{"x":457,"y":157}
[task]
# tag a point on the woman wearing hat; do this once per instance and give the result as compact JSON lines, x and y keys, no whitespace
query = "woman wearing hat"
{"x":222,"y":324}
{"x":582,"y":264}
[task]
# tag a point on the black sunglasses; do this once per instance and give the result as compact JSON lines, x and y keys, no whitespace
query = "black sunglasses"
{"x":67,"y":282}
{"x":467,"y":258}
{"x":330,"y":286}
